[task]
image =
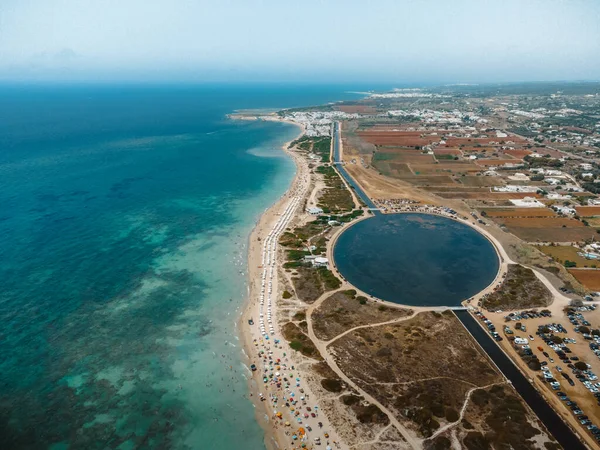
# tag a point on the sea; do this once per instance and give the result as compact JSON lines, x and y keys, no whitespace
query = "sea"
{"x":125,"y":212}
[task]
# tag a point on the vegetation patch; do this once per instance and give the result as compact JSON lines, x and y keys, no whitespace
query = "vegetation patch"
{"x":502,"y":419}
{"x":299,"y":341}
{"x":388,"y":361}
{"x":520,"y":289}
{"x":345,"y":310}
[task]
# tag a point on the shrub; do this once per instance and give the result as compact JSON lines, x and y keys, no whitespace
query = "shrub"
{"x":287,"y":294}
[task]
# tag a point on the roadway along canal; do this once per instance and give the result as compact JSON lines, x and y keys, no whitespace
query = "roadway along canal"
{"x":555,"y":425}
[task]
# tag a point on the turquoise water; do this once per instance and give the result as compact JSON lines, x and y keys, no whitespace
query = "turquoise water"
{"x":124,"y":219}
{"x":416,"y":259}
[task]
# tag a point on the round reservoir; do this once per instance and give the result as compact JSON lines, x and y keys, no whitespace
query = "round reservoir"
{"x":416,"y":259}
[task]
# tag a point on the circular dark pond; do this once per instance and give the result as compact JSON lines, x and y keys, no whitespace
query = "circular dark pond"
{"x":416,"y":259}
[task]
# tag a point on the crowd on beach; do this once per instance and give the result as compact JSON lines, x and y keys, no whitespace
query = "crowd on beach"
{"x":293,"y":414}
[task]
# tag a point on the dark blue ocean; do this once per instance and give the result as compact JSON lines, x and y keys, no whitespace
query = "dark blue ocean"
{"x":124,"y":218}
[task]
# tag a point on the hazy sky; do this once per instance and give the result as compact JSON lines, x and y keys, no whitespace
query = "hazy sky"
{"x":305,"y":40}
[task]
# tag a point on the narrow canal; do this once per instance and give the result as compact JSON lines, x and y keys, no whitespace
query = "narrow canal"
{"x":555,"y":425}
{"x":336,"y":158}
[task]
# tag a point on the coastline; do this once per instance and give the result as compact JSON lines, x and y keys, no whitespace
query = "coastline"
{"x":271,"y":415}
{"x":265,"y":221}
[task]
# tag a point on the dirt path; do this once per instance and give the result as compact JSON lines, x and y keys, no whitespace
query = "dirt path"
{"x":414,"y":442}
{"x":462,"y":410}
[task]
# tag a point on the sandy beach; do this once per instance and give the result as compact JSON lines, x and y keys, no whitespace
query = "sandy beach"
{"x":285,"y":406}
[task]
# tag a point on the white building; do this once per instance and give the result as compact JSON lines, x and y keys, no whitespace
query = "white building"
{"x":314,"y":211}
{"x":527,"y":202}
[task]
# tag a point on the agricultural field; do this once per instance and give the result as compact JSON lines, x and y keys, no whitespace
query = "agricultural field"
{"x":547,"y":229}
{"x":590,"y":278}
{"x":563,"y":253}
{"x":518,"y":212}
{"x":360,"y":109}
{"x":481,"y":181}
{"x":539,"y":222}
{"x":588,"y":211}
{"x":495,"y":162}
{"x":397,"y":138}
{"x":518,"y":154}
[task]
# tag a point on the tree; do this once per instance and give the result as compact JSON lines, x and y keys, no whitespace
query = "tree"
{"x":580,"y":365}
{"x":584,"y":330}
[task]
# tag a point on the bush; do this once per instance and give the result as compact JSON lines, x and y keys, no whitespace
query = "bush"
{"x":287,"y":294}
{"x":581,"y":365}
{"x":362,"y":300}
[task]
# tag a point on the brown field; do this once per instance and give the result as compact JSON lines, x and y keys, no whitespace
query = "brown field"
{"x":520,"y":212}
{"x":553,"y":234}
{"x":360,"y":109}
{"x":432,"y":180}
{"x":457,"y":188}
{"x":487,"y":195}
{"x":408,"y":156}
{"x":455,"y":142}
{"x":446,"y":166}
{"x":539,"y":222}
{"x":593,"y":221}
{"x":552,"y":153}
{"x":471,"y":180}
{"x":588,"y":211}
{"x":562,"y":253}
{"x":590,"y":278}
{"x":447,"y":151}
{"x":495,"y":162}
{"x":399,"y":138}
{"x":400,"y":170}
{"x":519,"y":154}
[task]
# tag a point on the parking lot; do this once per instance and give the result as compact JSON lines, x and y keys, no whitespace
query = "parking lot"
{"x":560,"y":355}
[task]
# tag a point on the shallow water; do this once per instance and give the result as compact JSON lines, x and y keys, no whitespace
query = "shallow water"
{"x":123,"y":230}
{"x":416,"y":259}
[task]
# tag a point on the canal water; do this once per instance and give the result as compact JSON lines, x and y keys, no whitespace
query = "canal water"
{"x":416,"y":259}
{"x":555,"y":425}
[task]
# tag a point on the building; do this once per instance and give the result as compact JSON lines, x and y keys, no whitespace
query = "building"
{"x":527,"y":202}
{"x":314,"y":211}
{"x":319,"y":261}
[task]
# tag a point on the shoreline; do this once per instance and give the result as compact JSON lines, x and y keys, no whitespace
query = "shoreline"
{"x":273,"y":437}
{"x":264,"y":220}
{"x":281,"y":408}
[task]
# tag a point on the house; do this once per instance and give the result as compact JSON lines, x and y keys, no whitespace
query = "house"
{"x":314,"y":211}
{"x":586,"y":166}
{"x":319,"y":261}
